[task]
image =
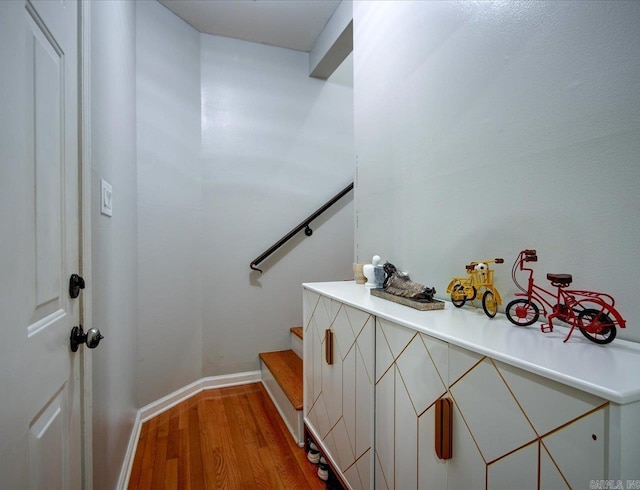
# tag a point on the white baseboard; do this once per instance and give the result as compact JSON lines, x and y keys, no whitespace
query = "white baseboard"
{"x":171,"y":400}
{"x":125,"y":472}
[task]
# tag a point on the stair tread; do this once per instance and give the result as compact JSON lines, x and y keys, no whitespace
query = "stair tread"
{"x":286,"y":368}
{"x":297,"y":331}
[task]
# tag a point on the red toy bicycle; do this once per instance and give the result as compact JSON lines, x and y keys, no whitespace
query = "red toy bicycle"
{"x":593,"y":313}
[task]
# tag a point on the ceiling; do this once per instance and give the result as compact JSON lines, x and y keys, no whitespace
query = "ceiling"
{"x":293,"y":24}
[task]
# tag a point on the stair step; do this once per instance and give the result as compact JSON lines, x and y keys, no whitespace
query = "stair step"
{"x":286,"y":368}
{"x":297,"y":331}
{"x":296,"y":341}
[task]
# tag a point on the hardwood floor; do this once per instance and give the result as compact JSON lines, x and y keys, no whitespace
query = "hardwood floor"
{"x":225,"y":438}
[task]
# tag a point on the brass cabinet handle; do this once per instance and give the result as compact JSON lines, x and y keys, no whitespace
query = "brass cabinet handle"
{"x":444,"y":428}
{"x":328,"y":346}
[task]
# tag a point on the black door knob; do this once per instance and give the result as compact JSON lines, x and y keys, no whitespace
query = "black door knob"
{"x":76,"y":283}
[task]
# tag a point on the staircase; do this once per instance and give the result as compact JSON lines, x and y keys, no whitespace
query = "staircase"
{"x":282,"y":378}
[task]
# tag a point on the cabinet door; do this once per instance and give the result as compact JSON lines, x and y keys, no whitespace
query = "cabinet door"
{"x":320,"y":393}
{"x":511,"y":429}
{"x":352,"y":431}
{"x":571,"y":426}
{"x":530,"y":432}
{"x":411,"y":375}
{"x":339,"y":395}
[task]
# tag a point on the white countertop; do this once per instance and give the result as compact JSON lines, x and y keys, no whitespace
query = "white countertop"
{"x":611,"y":371}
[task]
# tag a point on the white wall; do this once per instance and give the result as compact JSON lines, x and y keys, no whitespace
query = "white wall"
{"x":276,"y":145}
{"x":169,"y":203}
{"x":483,"y":128}
{"x":113,"y":252}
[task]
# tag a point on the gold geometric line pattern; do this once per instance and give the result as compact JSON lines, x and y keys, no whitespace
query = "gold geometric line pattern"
{"x":543,"y":446}
{"x":379,"y":465}
{"x":514,"y":397}
{"x":406,"y":388}
{"x":390,"y":351}
{"x":393,"y":442}
{"x":586,"y":414}
{"x":523,"y":444}
{"x":444,"y":383}
{"x":400,"y":328}
{"x":509,"y":453}
{"x":467,"y":425}
{"x":355,"y":463}
{"x":359,"y":329}
{"x":467,"y":371}
{"x":359,"y":351}
{"x":539,"y":437}
{"x":313,"y":309}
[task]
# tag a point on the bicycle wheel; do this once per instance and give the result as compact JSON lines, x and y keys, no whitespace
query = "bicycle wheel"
{"x":597,"y":326}
{"x":458,"y":298}
{"x":489,"y":304}
{"x":522,"y":312}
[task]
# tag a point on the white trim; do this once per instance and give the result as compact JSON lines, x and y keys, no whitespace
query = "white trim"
{"x":84,"y":126}
{"x":171,"y":400}
{"x":125,"y":472}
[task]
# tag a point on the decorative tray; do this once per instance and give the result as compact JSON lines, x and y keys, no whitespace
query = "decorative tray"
{"x":418,"y":304}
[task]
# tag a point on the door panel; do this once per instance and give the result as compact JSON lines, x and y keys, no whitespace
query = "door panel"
{"x":44,"y":159}
{"x":40,"y":379}
{"x":47,"y":435}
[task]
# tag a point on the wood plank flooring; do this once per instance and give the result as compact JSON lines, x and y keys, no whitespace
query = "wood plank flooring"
{"x":225,"y":438}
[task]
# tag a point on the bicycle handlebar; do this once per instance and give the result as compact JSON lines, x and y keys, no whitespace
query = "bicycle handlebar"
{"x":493,"y":261}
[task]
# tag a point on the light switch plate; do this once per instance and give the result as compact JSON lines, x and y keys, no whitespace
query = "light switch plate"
{"x":106,"y":198}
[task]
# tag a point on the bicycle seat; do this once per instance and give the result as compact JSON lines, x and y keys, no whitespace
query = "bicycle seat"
{"x":560,"y":280}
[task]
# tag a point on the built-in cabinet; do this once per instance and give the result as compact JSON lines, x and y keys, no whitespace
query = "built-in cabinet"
{"x":514,"y":424}
{"x":510,"y":429}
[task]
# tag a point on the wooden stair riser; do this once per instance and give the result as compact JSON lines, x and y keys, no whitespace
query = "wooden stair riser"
{"x":282,"y":378}
{"x":296,"y":341}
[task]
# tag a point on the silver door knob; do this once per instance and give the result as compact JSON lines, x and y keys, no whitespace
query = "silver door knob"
{"x":92,"y":338}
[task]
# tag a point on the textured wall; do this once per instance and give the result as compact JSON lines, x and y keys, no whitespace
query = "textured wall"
{"x":276,"y":145}
{"x":169,"y":203}
{"x":482,"y":128}
{"x":113,"y":240}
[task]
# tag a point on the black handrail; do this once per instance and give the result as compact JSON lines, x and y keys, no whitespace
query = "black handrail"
{"x":304,"y":224}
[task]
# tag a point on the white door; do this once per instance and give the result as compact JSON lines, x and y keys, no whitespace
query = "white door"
{"x":40,"y":436}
